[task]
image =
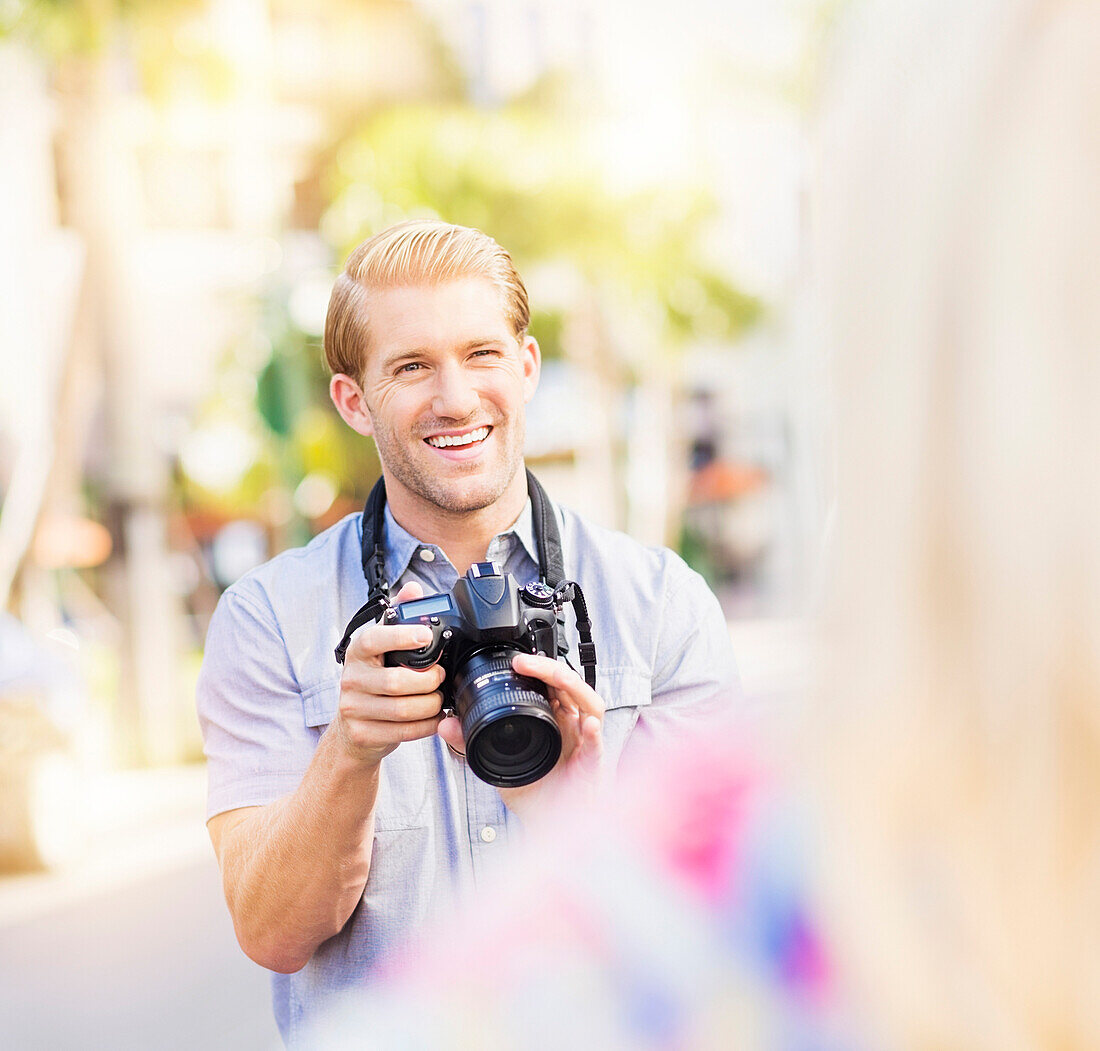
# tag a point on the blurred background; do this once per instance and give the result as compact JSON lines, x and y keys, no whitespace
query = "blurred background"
{"x":181,"y":180}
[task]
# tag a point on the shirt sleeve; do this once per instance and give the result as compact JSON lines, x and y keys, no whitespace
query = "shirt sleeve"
{"x":255,"y":736}
{"x":694,"y":673}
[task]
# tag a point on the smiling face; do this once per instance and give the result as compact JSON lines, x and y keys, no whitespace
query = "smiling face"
{"x":443,"y":394}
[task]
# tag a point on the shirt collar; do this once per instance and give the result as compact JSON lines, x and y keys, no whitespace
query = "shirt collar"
{"x":524,"y":530}
{"x":400,"y":545}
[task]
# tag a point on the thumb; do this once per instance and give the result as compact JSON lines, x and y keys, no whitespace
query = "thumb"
{"x":450,"y":729}
{"x":409,"y":590}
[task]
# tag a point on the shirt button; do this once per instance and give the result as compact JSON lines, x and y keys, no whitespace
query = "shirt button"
{"x":427,"y":554}
{"x":488,"y":834}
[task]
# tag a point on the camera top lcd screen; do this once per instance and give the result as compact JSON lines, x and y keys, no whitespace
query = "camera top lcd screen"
{"x":426,"y":607}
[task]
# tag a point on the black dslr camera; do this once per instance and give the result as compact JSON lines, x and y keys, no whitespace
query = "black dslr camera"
{"x":511,"y":736}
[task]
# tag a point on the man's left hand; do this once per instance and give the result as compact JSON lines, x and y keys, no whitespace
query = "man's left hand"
{"x":578,"y":711}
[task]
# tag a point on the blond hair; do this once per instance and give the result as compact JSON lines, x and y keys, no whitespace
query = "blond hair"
{"x":958,"y":223}
{"x":417,"y":252}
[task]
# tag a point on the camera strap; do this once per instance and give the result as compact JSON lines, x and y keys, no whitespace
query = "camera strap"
{"x":374,"y":567}
{"x":547,"y":537}
{"x":547,"y":545}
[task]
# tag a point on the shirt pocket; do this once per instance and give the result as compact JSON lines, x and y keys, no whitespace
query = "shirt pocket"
{"x":406,"y":772}
{"x":319,"y":704}
{"x":625,"y":691}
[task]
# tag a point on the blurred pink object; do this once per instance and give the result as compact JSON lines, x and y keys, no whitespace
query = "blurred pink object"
{"x":668,"y":915}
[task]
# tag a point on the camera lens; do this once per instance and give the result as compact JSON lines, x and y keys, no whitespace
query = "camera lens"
{"x":511,"y":736}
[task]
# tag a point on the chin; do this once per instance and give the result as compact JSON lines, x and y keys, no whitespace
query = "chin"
{"x":472,"y":493}
{"x":460,"y":499}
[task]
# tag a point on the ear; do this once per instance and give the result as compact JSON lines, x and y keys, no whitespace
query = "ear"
{"x":351,"y":404}
{"x":532,"y":366}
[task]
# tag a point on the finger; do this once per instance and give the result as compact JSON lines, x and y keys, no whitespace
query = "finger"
{"x":418,"y":730}
{"x":591,"y":741}
{"x":410,"y":590}
{"x":568,"y":726}
{"x":557,"y":705}
{"x":373,"y":640}
{"x":407,"y":709}
{"x":450,"y":729}
{"x":571,"y":689}
{"x":369,"y":736}
{"x":377,"y":680}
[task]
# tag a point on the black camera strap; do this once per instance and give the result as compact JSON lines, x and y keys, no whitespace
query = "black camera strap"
{"x":547,"y":545}
{"x":552,"y":572}
{"x":374,"y":567}
{"x":547,"y":537}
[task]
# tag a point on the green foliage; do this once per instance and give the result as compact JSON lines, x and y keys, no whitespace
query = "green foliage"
{"x":62,"y":28}
{"x":296,"y":409}
{"x":296,"y":429}
{"x":550,"y":327}
{"x":525,"y":176}
{"x":696,"y":550}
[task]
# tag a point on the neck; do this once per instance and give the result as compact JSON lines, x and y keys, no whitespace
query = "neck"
{"x":463,"y":536}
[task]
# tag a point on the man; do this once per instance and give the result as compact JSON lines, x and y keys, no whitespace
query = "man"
{"x":341,"y":808}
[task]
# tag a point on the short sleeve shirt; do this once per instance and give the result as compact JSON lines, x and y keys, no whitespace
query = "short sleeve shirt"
{"x":270,"y":685}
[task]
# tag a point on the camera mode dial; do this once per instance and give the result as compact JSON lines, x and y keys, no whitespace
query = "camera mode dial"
{"x":538,"y":594}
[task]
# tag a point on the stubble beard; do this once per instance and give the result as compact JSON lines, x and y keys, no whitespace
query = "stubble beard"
{"x":452,"y":495}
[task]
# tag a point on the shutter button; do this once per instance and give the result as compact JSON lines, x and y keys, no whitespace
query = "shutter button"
{"x":488,"y":834}
{"x":427,"y":554}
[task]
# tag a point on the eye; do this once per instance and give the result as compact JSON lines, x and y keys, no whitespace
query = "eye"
{"x":490,"y":352}
{"x":409,"y":367}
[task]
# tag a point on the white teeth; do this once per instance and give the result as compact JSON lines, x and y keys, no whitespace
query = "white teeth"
{"x":444,"y":441}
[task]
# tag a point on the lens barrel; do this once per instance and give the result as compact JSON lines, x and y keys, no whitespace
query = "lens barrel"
{"x":511,"y":736}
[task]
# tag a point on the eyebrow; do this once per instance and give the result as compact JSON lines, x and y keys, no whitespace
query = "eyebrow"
{"x":413,"y":353}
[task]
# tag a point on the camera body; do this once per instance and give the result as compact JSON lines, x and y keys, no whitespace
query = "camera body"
{"x":511,"y":736}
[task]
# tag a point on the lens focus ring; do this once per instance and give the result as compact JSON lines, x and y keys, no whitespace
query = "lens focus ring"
{"x":511,"y":735}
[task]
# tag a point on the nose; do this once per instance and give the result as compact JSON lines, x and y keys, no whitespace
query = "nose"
{"x":454,"y":397}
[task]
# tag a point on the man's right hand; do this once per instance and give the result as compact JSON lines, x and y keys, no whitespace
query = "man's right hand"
{"x":382,"y":706}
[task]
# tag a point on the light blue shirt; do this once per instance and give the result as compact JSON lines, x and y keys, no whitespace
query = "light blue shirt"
{"x":270,"y":685}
